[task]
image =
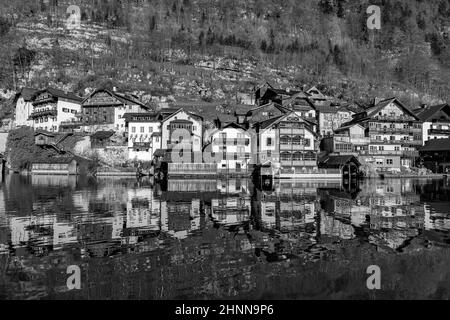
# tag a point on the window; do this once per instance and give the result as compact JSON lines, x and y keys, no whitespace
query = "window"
{"x":194,"y":128}
{"x":307,"y":142}
{"x":269,"y":142}
{"x":142,"y":129}
{"x":133,"y":129}
{"x":150,"y":129}
{"x":157,"y":139}
{"x":389,"y":161}
{"x":381,"y":148}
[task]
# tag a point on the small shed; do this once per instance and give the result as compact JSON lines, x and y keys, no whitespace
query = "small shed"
{"x":44,"y":138}
{"x":101,"y":139}
{"x":55,"y":166}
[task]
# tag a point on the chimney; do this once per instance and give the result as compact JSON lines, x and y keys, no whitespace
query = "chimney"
{"x":115,"y":89}
{"x":424,"y":106}
{"x":376,"y":100}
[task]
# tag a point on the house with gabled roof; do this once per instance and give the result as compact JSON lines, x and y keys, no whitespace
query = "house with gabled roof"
{"x":436,"y":121}
{"x":181,"y":128}
{"x":105,"y":109}
{"x":231,"y":148}
{"x":51,"y":107}
{"x":394,"y":132}
{"x":24,"y":107}
{"x":287,"y":140}
{"x":331,"y":118}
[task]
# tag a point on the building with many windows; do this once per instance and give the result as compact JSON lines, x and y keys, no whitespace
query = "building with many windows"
{"x":51,"y":107}
{"x":104,"y":110}
{"x":144,"y":135}
{"x":394,"y":133}
{"x":181,"y":128}
{"x":287,"y":141}
{"x":232,"y":143}
{"x":436,"y":121}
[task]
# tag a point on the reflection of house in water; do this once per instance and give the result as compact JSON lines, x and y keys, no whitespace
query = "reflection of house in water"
{"x":180,"y":205}
{"x":290,"y":206}
{"x":231,"y":206}
{"x":179,"y":218}
{"x":389,"y":209}
{"x":143,"y":215}
{"x":34,"y":232}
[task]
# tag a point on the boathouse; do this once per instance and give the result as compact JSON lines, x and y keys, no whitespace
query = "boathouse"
{"x":348,"y":165}
{"x":435,"y":155}
{"x":56,"y":166}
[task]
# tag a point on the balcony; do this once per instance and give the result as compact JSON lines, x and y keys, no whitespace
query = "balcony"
{"x":401,"y":142}
{"x":438,"y":131}
{"x":43,"y":113}
{"x":293,"y":147}
{"x":395,"y":130}
{"x":292,"y":131}
{"x":298,"y":163}
{"x":401,"y":118}
{"x":389,"y":153}
{"x":358,"y":139}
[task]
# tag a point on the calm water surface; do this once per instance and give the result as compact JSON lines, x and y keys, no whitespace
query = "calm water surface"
{"x":223,"y":239}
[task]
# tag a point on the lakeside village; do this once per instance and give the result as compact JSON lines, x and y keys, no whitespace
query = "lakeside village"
{"x":284,"y":133}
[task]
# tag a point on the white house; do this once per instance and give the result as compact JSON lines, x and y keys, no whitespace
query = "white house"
{"x":233,"y":144}
{"x":287,"y":141}
{"x":24,"y":107}
{"x":51,"y":107}
{"x":436,"y":122}
{"x":181,"y":127}
{"x":144,"y":135}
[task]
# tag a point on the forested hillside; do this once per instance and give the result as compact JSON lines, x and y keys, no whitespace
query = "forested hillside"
{"x":226,"y":47}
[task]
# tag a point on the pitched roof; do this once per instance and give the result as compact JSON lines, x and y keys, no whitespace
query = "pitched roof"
{"x":27,"y":93}
{"x":59,"y":94}
{"x":102,"y":135}
{"x":51,"y":160}
{"x":267,"y":123}
{"x":234,"y":125}
{"x":373,"y":110}
{"x":427,"y":113}
{"x":140,"y":117}
{"x":436,"y":145}
{"x":347,"y":126}
{"x":338,"y":160}
{"x":45,"y":133}
{"x":124,"y":98}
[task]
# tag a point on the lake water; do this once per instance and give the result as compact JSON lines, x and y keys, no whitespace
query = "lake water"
{"x":223,"y":239}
